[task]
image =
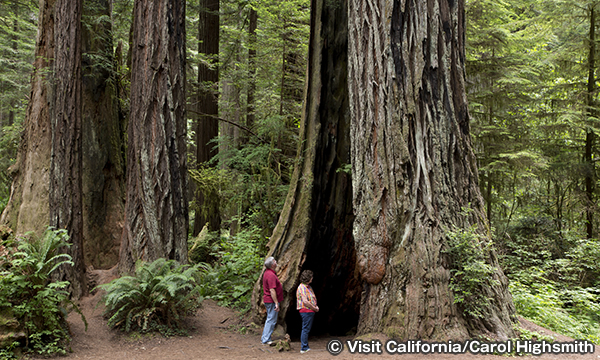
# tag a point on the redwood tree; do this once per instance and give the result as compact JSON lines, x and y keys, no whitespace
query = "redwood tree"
{"x":207,"y":127}
{"x":27,"y":209}
{"x":414,"y":173}
{"x":156,"y":211}
{"x":65,"y":193}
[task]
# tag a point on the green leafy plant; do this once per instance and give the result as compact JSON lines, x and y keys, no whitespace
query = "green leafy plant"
{"x":155,"y":299}
{"x":572,"y":313}
{"x":231,"y":278}
{"x":471,"y":272}
{"x":26,"y":290}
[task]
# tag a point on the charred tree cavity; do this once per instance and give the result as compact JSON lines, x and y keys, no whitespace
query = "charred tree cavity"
{"x":315,"y":227}
{"x":413,"y":171}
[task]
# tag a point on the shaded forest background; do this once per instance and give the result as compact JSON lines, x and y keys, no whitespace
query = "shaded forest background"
{"x":533,"y":96}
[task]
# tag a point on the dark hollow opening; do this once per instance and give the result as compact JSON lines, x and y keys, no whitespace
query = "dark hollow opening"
{"x":329,"y":251}
{"x":337,"y":289}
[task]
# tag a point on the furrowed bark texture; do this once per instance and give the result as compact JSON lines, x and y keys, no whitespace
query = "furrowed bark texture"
{"x":27,"y":209}
{"x":207,"y":128}
{"x":315,"y":227}
{"x":156,"y":210}
{"x":103,"y":157}
{"x":413,"y":169}
{"x":65,"y":195}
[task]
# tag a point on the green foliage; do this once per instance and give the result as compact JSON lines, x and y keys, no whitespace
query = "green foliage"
{"x":156,"y":299}
{"x":26,"y":288}
{"x":557,"y":290}
{"x":573,"y":313}
{"x":231,"y":279}
{"x":471,"y":271}
{"x":17,"y":40}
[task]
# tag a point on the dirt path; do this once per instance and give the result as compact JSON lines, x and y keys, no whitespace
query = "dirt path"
{"x":212,"y":338}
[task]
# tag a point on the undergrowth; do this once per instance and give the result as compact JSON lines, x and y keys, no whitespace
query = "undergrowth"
{"x":28,"y":294}
{"x":554,"y":277}
{"x":155,"y":298}
{"x":471,"y":273}
{"x":230,"y":278}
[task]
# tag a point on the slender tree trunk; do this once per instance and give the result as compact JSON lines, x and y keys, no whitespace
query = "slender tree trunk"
{"x":65,"y":195}
{"x":230,"y":110}
{"x":590,"y":174}
{"x":413,"y":171}
{"x":252,"y":26}
{"x":15,"y":48}
{"x":315,"y":227}
{"x":207,"y":128}
{"x":156,"y":211}
{"x":103,"y":158}
{"x":27,"y":209}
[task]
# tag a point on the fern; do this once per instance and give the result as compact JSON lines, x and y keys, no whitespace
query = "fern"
{"x":27,"y":292}
{"x":155,"y":298}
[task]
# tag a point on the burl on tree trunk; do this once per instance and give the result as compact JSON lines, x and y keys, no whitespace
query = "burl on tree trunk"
{"x":414,"y":173}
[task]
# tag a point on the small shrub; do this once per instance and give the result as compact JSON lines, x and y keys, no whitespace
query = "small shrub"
{"x":155,"y":299}
{"x":36,"y":302}
{"x":230,"y":280}
{"x":471,"y":273}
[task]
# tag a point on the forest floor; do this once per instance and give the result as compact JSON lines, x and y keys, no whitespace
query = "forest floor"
{"x":213,"y":335}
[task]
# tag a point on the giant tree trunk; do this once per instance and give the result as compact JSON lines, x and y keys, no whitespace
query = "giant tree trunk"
{"x":27,"y":209}
{"x":156,"y":211}
{"x":103,"y":158}
{"x":207,"y":128}
{"x":315,"y":227}
{"x":65,"y":193}
{"x":413,"y":171}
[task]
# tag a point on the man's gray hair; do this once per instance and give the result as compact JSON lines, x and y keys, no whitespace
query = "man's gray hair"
{"x":269,"y":262}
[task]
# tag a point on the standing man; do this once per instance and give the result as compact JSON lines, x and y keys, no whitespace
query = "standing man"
{"x":272,"y":296}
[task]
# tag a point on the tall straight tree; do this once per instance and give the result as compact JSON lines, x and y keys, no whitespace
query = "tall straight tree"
{"x":65,"y":195}
{"x":413,"y":172}
{"x":156,"y":210}
{"x":27,"y":209}
{"x":207,"y":128}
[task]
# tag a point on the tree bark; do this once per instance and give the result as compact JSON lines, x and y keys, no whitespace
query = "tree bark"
{"x":27,"y":209}
{"x":207,"y":128}
{"x":65,"y":193}
{"x":314,"y":230}
{"x":156,"y":210}
{"x":103,"y":159}
{"x":414,"y":170}
{"x":590,"y":172}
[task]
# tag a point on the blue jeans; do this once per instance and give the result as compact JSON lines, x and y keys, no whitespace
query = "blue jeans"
{"x":270,"y":323}
{"x":307,"y":321}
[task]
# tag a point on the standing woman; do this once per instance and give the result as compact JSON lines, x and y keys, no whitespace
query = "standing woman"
{"x":306,"y":302}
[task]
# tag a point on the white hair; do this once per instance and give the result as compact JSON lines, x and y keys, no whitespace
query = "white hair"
{"x":269,"y":262}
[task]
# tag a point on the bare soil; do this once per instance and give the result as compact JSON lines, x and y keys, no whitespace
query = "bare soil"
{"x":215,"y":334}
